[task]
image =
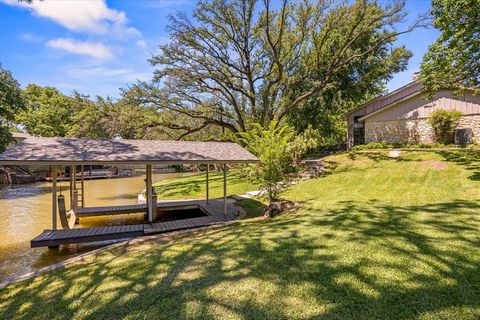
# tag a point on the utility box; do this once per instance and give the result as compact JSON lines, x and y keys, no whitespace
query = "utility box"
{"x":463,"y":136}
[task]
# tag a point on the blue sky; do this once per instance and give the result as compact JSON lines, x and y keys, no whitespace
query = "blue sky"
{"x":100,"y":46}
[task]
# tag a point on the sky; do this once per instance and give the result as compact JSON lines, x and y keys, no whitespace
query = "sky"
{"x":99,"y":46}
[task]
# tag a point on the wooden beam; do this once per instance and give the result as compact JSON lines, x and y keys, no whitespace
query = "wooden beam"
{"x":225,"y":189}
{"x":72,"y":182}
{"x":83,"y":186}
{"x":207,"y":187}
{"x":54,"y":197}
{"x":148,"y":192}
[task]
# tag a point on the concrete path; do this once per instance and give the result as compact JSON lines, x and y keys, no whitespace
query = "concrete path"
{"x":395,"y":153}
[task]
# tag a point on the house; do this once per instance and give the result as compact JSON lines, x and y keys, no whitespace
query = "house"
{"x":402,"y":116}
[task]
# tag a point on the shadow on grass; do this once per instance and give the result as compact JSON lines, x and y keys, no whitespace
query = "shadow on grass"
{"x":191,"y":185}
{"x":253,"y":208}
{"x":357,"y":261}
{"x":469,"y":159}
{"x":335,"y":166}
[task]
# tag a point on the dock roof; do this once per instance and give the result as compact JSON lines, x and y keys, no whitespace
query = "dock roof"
{"x":59,"y":151}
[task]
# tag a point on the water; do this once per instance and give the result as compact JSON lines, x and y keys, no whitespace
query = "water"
{"x":25,"y":211}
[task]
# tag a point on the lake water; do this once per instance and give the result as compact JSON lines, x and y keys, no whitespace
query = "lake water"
{"x":25,"y":211}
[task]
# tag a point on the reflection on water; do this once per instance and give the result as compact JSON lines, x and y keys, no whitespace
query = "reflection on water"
{"x":25,"y":211}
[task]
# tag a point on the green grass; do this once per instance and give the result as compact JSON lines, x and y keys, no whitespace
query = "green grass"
{"x":194,"y":187}
{"x":376,"y":238}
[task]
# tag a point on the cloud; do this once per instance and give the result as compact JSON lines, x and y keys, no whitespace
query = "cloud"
{"x":142,"y":44}
{"x":116,"y":74}
{"x":30,"y":37}
{"x":92,"y":49}
{"x":81,"y":16}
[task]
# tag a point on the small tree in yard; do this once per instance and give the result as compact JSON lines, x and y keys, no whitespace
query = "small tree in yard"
{"x":278,"y":149}
{"x":444,"y":123}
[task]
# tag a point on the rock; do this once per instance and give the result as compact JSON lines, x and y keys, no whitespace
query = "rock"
{"x":278,"y":207}
{"x":313,"y":168}
{"x":255,"y":193}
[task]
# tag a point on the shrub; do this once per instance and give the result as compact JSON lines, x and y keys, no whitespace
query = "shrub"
{"x":444,"y":123}
{"x":307,"y":141}
{"x":279,"y":152}
{"x":270,"y":146}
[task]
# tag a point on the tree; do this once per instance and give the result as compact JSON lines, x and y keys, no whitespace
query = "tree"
{"x":127,"y":120}
{"x":11,"y":101}
{"x":279,"y":150}
{"x":88,"y":119}
{"x":113,"y":118}
{"x":242,"y":62}
{"x":48,"y":112}
{"x":355,"y":84}
{"x":271,"y":146}
{"x":453,"y":60}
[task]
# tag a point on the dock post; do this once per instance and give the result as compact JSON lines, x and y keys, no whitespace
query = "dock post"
{"x":225,"y":190}
{"x":208,"y":169}
{"x":154,"y":204}
{"x":148,"y":193}
{"x":54,"y":197}
{"x":72,"y":183}
{"x":82,"y":198}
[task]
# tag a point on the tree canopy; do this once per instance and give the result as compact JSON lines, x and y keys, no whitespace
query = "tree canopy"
{"x":11,"y":102}
{"x":236,"y":63}
{"x":453,"y":60}
{"x":50,"y":113}
{"x":47,"y":113}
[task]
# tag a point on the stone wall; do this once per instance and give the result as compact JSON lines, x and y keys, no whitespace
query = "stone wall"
{"x":413,"y":130}
{"x":399,"y":131}
{"x":472,"y":122}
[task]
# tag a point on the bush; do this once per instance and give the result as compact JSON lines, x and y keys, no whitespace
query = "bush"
{"x":270,"y":146}
{"x":444,"y":123}
{"x":279,"y":151}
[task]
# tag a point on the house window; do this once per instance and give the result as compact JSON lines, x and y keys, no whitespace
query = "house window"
{"x":357,"y":123}
{"x":358,"y":131}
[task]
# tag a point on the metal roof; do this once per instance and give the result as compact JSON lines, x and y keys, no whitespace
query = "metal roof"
{"x":58,"y":151}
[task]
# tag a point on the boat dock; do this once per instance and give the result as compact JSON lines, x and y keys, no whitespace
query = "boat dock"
{"x":160,"y":217}
{"x":213,"y":214}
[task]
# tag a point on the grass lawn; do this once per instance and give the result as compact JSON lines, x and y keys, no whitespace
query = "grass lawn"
{"x":194,"y":187}
{"x":376,"y":238}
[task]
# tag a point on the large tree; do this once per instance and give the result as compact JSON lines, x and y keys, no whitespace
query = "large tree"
{"x":453,"y":60}
{"x":234,"y":62}
{"x":48,"y":112}
{"x":114,"y":118}
{"x":88,"y":118}
{"x":358,"y":82}
{"x":11,"y":102}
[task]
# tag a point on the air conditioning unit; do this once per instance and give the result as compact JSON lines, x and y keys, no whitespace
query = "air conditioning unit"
{"x":463,"y":136}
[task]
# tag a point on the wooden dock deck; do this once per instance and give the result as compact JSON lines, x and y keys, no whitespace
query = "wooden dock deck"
{"x":213,"y":211}
{"x":139,"y":208}
{"x":110,"y":210}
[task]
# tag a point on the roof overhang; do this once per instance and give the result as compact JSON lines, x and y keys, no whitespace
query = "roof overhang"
{"x":393,"y":104}
{"x":74,"y":151}
{"x":415,"y":82}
